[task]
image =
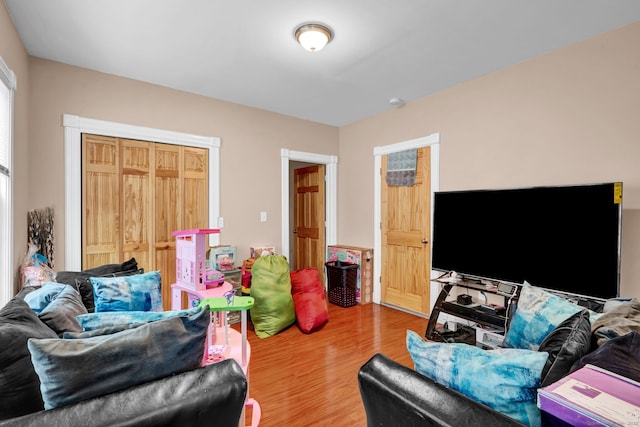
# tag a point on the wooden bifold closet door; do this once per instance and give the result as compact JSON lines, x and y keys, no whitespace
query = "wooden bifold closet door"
{"x":134,"y":195}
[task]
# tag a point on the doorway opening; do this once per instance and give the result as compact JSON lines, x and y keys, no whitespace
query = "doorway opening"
{"x":289,"y":160}
{"x":293,"y":166}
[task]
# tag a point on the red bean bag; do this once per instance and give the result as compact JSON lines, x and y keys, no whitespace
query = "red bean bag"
{"x":309,"y":300}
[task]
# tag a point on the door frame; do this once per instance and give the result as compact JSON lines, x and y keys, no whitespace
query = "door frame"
{"x":75,"y":126}
{"x":331,"y":187}
{"x":432,"y":141}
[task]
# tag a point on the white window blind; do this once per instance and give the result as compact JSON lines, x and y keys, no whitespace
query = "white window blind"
{"x":8,"y":80}
{"x":7,"y":87}
{"x":5,"y":128}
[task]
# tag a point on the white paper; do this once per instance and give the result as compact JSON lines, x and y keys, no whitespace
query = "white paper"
{"x":600,"y":403}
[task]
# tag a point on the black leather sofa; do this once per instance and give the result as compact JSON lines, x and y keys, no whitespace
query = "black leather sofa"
{"x":211,"y":395}
{"x":395,"y":395}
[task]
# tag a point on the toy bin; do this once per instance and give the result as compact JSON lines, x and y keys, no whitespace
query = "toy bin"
{"x":364,"y":258}
{"x":342,"y":279}
{"x":191,"y":259}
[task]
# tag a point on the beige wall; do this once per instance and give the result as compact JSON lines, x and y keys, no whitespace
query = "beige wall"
{"x":15,"y":56}
{"x":251,"y":140}
{"x":570,"y":116}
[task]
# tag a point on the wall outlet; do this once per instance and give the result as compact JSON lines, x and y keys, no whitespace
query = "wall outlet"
{"x":263,"y":216}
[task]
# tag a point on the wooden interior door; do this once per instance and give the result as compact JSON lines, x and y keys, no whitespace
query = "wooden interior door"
{"x":100,"y":201}
{"x":406,"y":244}
{"x":309,"y":218}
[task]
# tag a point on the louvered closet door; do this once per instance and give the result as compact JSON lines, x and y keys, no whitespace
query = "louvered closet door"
{"x":100,"y":201}
{"x":181,"y":203}
{"x":134,"y":203}
{"x":195,"y":206}
{"x":135,"y":195}
{"x":167,"y":218}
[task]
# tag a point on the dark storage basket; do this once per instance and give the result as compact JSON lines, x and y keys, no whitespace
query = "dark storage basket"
{"x":342,"y":280}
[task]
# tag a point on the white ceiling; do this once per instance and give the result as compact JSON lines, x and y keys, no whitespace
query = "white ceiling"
{"x":243,"y":51}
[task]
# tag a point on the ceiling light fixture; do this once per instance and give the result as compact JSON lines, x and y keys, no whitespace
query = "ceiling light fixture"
{"x":313,"y":36}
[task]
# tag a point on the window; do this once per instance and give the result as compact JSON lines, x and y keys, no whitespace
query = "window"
{"x":7,"y":87}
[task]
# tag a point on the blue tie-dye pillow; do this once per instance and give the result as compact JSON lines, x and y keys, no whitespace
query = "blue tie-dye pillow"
{"x":71,"y":370}
{"x":506,"y":380}
{"x":140,"y":292}
{"x":538,"y":313}
{"x":93,"y":321}
{"x":40,"y":298}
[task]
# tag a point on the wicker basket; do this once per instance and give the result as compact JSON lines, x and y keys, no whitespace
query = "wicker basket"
{"x":342,"y":280}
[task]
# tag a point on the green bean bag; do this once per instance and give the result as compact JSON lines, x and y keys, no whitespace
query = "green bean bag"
{"x":273,"y":309}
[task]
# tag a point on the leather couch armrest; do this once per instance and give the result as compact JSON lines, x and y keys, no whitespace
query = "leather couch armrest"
{"x":211,"y":395}
{"x":395,"y":395}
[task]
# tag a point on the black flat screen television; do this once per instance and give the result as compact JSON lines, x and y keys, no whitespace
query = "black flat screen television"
{"x":563,"y":238}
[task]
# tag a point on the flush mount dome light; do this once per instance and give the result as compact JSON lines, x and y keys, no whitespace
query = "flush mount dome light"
{"x":313,"y":36}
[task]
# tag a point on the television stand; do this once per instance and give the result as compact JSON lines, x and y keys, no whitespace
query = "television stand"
{"x":496,"y":318}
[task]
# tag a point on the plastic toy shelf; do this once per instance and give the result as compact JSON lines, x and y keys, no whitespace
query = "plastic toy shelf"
{"x":177,"y":289}
{"x":221,"y":306}
{"x":224,"y":342}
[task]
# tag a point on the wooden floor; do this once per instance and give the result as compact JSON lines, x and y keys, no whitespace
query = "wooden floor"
{"x":311,"y":380}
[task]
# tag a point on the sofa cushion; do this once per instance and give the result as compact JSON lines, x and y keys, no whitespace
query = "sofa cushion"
{"x":538,"y":313}
{"x":620,"y":355}
{"x":60,"y":314}
{"x":140,"y":292}
{"x":506,"y":380}
{"x":619,"y":320}
{"x":107,"y":330}
{"x":117,"y":361}
{"x":57,"y":305}
{"x":567,"y":343}
{"x":92,"y":321}
{"x":42,"y":295}
{"x":80,"y":279}
{"x":83,"y":285}
{"x":19,"y":384}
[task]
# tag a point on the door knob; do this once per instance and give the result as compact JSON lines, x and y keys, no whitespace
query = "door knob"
{"x":295,"y":231}
{"x":424,"y":241}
